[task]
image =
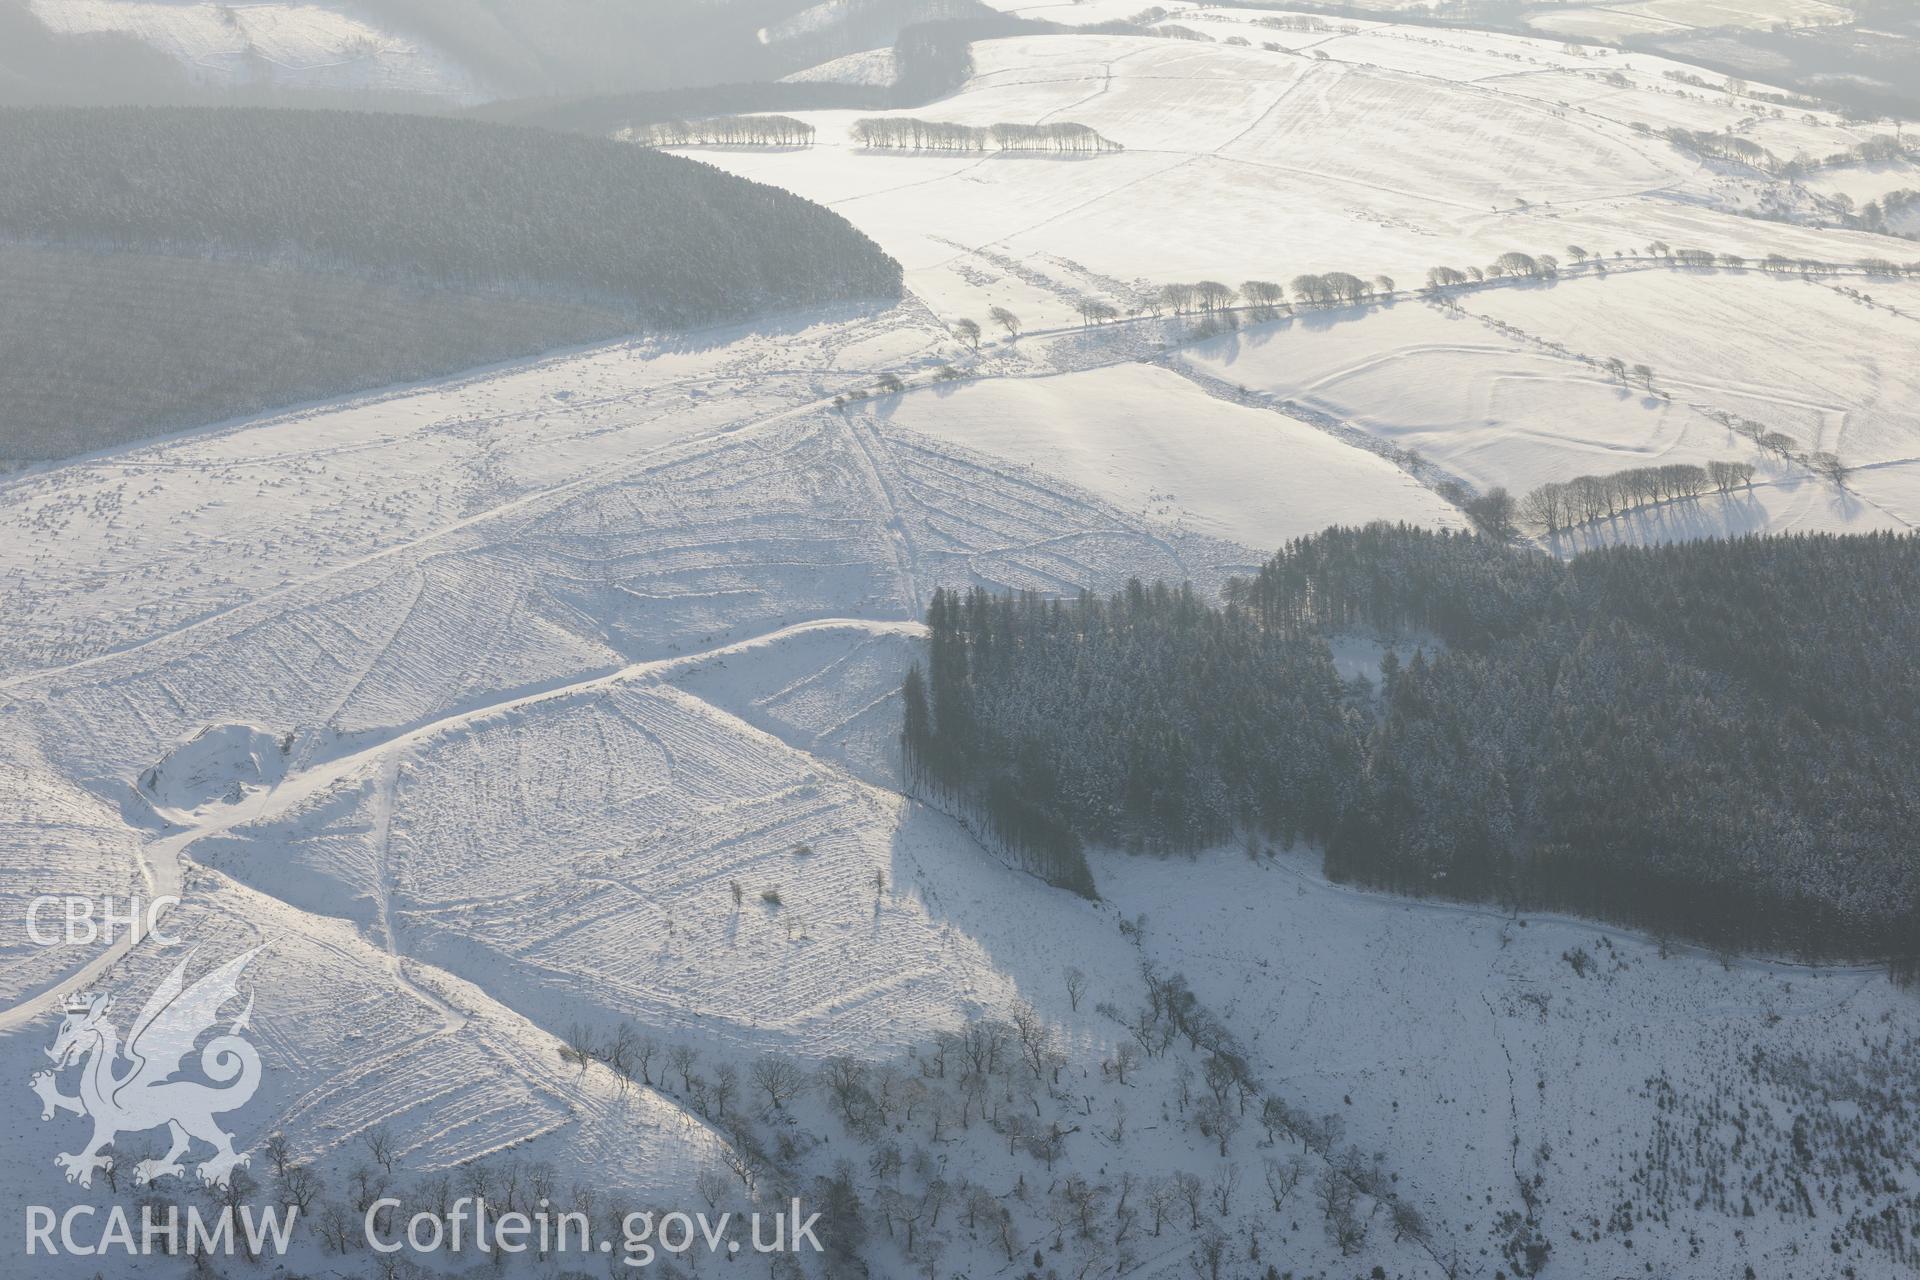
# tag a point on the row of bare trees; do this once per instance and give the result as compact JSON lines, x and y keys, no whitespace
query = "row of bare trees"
{"x":1562,"y":505}
{"x":908,"y":133}
{"x":1262,"y":299}
{"x":1337,"y":288}
{"x":1724,"y":146}
{"x":1096,"y":311}
{"x":1294,"y":22}
{"x":1265,"y":298}
{"x":1063,"y":135}
{"x":1783,"y":446}
{"x":727,"y":131}
{"x":636,"y":1057}
{"x":1203,"y":297}
{"x":1520,"y":266}
{"x":1546,"y":266}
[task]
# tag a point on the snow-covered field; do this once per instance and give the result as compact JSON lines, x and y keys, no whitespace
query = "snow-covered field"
{"x":1655,"y":16}
{"x":565,"y":693}
{"x":1810,"y":360}
{"x":1866,"y":182}
{"x":1525,"y":400}
{"x":1161,"y":448}
{"x":289,"y":45}
{"x":1241,"y":163}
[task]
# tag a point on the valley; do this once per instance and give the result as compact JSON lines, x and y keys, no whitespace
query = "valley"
{"x":555,"y":704}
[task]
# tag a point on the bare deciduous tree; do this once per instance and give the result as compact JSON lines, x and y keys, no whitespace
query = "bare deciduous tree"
{"x":618,"y":1053}
{"x":1226,"y":1184}
{"x":713,"y":1186}
{"x":1407,"y":1223}
{"x":724,"y":1088}
{"x":299,"y":1186}
{"x":1163,"y":1197}
{"x":1218,"y":1119}
{"x":1340,"y":1204}
{"x":779,"y":1077}
{"x":339,"y":1228}
{"x":577,"y":1048}
{"x":1212,"y":295}
{"x":1829,"y":465}
{"x":1283,"y":1178}
{"x":380,"y":1146}
{"x":1263,"y":296}
{"x":1209,"y":1255}
{"x":681,"y":1058}
{"x":1190,"y":1191}
{"x":1036,"y":1037}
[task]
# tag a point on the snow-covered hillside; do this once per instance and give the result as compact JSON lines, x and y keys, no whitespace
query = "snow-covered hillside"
{"x":1241,"y":163}
{"x":1612,"y":21}
{"x":507,"y":710}
{"x":1246,"y":162}
{"x":1510,"y":388}
{"x":286,"y":45}
{"x":679,"y":571}
{"x":1161,"y":447}
{"x":603,"y":730}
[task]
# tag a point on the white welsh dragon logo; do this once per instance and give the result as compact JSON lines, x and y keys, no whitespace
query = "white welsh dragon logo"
{"x":146,"y":1096}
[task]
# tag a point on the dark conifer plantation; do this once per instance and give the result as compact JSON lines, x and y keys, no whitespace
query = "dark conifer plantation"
{"x":665,"y":240}
{"x":1717,"y":740}
{"x":169,"y":267}
{"x":1057,"y":719}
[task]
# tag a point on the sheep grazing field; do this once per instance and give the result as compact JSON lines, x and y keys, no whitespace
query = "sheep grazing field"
{"x":544,"y":724}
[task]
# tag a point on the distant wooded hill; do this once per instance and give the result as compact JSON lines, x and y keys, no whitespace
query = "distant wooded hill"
{"x":448,"y":202}
{"x":520,"y":49}
{"x":932,"y":58}
{"x":535,"y":48}
{"x":276,"y":241}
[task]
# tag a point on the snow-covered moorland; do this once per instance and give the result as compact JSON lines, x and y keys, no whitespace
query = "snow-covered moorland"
{"x":287,"y":46}
{"x":541,"y":725}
